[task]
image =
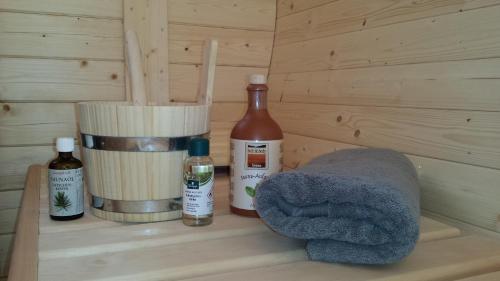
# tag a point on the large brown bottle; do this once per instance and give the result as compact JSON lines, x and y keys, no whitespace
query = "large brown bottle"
{"x":256,"y":149}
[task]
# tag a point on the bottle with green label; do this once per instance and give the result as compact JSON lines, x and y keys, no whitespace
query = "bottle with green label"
{"x":198,"y":197}
{"x":65,"y":183}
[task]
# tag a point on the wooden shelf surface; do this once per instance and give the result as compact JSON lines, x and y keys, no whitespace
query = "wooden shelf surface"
{"x":232,"y":248}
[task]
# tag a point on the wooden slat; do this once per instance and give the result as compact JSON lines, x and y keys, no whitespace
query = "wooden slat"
{"x":50,"y":24}
{"x":60,"y":46}
{"x":92,"y":8}
{"x":178,"y":261}
{"x":60,"y":37}
{"x":219,"y":142}
{"x":426,"y":40}
{"x":348,"y":16}
{"x":464,"y":192}
{"x":96,"y":242}
{"x":236,"y":47}
{"x":439,"y":260}
{"x":230,"y":82}
{"x":431,"y":230}
{"x":14,"y":161}
{"x":287,"y":7}
{"x":149,"y":20}
{"x":10,"y":199}
{"x":118,"y":238}
{"x":12,"y":182}
{"x":26,"y":79}
{"x":253,"y":15}
{"x":24,"y":261}
{"x":5,"y":252}
{"x":36,"y":123}
{"x":8,"y":220}
{"x":471,"y":85}
{"x":228,"y":111}
{"x":483,"y":277}
{"x":257,"y":15}
{"x":265,"y":250}
{"x":462,"y":136}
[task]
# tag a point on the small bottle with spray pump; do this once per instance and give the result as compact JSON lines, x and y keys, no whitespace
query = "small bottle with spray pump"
{"x":198,"y":188}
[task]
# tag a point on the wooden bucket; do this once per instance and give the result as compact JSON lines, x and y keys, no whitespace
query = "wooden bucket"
{"x":133,"y":157}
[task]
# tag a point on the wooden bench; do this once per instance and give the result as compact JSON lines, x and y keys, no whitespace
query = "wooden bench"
{"x":232,"y":248}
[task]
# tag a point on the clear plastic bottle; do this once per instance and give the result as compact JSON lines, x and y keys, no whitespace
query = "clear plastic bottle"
{"x":65,"y":183}
{"x":198,"y":197}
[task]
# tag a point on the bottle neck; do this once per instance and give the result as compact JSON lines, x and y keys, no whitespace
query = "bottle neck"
{"x":65,"y":155}
{"x":257,"y":100}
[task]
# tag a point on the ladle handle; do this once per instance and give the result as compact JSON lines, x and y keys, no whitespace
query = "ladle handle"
{"x":135,"y":69}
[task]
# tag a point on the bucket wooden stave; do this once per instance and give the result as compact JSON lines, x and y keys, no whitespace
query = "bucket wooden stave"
{"x":133,"y":157}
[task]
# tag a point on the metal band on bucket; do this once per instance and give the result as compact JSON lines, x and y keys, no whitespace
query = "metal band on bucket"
{"x":137,"y":144}
{"x":136,"y":206}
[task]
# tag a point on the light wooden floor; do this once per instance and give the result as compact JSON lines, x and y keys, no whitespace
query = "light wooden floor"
{"x":232,"y":248}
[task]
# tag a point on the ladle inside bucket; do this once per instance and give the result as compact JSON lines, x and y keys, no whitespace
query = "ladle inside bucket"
{"x":136,"y":74}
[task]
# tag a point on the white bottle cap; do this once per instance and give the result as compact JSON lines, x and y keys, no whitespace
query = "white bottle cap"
{"x":65,"y":144}
{"x":257,"y":79}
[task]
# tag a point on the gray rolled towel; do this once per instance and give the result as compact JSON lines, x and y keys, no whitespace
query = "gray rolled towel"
{"x":356,"y":206}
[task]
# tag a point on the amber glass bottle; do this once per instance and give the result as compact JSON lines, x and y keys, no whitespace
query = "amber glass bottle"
{"x":65,"y":183}
{"x":256,"y":149}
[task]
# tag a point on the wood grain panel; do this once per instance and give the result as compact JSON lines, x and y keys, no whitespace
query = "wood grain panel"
{"x":463,"y":136}
{"x":484,"y":277}
{"x":14,"y":161}
{"x":451,"y":189}
{"x":60,"y":46}
{"x":426,"y":40}
{"x":230,"y":82}
{"x":26,"y":79}
{"x":92,"y":8}
{"x":60,"y":37}
{"x":8,"y":220}
{"x":243,"y":14}
{"x":11,"y":182}
{"x":5,"y":252}
{"x":148,"y":19}
{"x":236,"y":47}
{"x":348,"y":15}
{"x":36,"y":123}
{"x":470,"y":84}
{"x":170,"y":263}
{"x":219,"y":142}
{"x":448,"y":259}
{"x":10,"y":199}
{"x":287,"y":7}
{"x":438,"y":260}
{"x":50,"y":24}
{"x":227,"y":112}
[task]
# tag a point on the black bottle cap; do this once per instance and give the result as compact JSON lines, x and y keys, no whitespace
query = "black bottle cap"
{"x":199,"y":147}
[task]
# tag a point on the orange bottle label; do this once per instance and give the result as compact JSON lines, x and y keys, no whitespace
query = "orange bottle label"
{"x":252,"y":162}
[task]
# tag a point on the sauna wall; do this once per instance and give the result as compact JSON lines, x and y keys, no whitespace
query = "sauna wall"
{"x":422,"y":77}
{"x":54,"y":53}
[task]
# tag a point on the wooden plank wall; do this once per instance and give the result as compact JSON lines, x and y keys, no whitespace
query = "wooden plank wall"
{"x":54,"y":53}
{"x":422,"y":77}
